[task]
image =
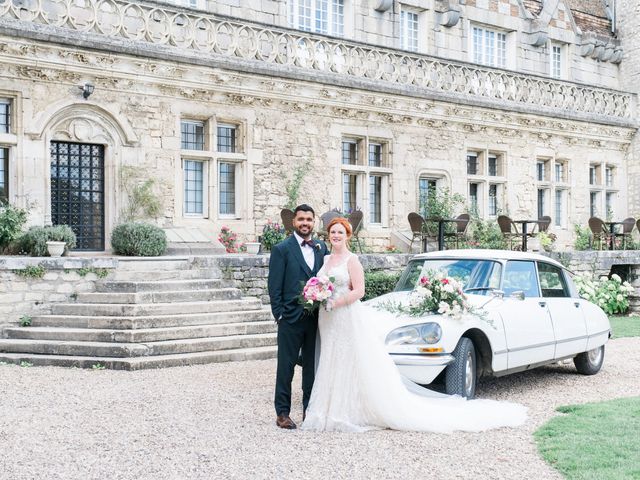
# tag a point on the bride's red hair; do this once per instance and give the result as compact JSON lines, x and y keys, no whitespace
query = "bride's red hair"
{"x":342,"y":221}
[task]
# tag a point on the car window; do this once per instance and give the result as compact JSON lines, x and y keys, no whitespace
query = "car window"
{"x":520,"y":276}
{"x":477,"y":276}
{"x":552,"y":281}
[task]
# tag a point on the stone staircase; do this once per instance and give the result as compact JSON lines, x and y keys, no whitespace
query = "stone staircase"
{"x":148,"y":314}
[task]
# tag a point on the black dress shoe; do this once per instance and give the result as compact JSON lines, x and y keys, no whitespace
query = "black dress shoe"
{"x":284,"y":421}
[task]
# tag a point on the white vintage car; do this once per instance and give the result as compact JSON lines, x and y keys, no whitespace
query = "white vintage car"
{"x":532,"y":316}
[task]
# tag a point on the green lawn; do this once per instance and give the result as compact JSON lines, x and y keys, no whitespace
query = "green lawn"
{"x":595,"y":441}
{"x":625,"y":326}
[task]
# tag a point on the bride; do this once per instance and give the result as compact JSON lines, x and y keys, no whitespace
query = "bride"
{"x":357,"y":385}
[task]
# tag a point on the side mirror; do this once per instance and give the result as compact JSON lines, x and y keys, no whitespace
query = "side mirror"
{"x":518,"y":295}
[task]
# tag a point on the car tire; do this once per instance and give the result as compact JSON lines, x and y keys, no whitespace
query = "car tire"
{"x":461,"y":375}
{"x":590,"y":363}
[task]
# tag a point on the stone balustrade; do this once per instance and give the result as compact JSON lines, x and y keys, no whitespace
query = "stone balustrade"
{"x":242,"y":45}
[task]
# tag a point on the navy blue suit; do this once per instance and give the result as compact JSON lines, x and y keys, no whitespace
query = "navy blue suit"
{"x":297,"y":329}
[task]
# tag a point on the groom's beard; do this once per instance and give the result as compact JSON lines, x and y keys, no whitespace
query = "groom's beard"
{"x":307,"y":235}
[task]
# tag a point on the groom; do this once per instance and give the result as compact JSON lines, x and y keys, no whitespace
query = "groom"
{"x":292,"y":263}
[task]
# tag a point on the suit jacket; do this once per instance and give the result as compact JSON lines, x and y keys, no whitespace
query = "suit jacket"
{"x":288,"y":272}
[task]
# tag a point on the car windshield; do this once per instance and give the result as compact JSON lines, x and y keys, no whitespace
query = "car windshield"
{"x":477,"y":276}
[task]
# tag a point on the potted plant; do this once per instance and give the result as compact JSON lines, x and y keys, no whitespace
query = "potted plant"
{"x":252,"y":247}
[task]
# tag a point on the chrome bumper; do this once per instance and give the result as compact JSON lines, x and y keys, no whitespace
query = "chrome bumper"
{"x":425,"y":360}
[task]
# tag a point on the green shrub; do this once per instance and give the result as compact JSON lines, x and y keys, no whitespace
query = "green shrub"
{"x":610,"y":294}
{"x":34,"y":241}
{"x":272,"y":234}
{"x":583,"y":237}
{"x":138,"y":240}
{"x":485,"y":234}
{"x":379,"y":283}
{"x":12,"y":220}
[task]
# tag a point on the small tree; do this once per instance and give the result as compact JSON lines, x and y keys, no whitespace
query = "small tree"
{"x":142,"y":201}
{"x":12,"y":220}
{"x":293,"y":186}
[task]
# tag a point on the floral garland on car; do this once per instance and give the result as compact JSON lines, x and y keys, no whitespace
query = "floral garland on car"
{"x":434,"y":293}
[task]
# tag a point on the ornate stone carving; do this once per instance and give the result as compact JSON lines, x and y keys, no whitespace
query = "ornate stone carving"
{"x":286,"y":50}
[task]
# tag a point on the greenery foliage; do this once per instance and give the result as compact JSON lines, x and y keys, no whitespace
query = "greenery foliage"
{"x":293,"y":186}
{"x":138,"y":239}
{"x":25,"y":321}
{"x":142,"y":201}
{"x":272,"y":234}
{"x":230,"y":241}
{"x":379,"y":283}
{"x":485,"y":234}
{"x":31,"y":271}
{"x":625,"y":326}
{"x":594,"y":440}
{"x":34,"y":241}
{"x":440,"y":203}
{"x":99,"y":272}
{"x":12,"y":220}
{"x":610,"y":294}
{"x":583,"y":237}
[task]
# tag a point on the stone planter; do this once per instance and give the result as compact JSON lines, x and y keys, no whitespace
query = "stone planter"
{"x":55,"y":249}
{"x":252,"y":247}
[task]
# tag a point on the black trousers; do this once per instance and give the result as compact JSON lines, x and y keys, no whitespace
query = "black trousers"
{"x":291,"y":338}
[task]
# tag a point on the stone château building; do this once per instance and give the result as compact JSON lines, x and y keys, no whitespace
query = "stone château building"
{"x":527,"y":107}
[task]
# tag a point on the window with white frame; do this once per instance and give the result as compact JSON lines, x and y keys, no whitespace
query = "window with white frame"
{"x":365,"y":177}
{"x":194,"y":187}
{"x":603,"y":187}
{"x":427,"y":186}
{"x":5,"y":115}
{"x":318,"y":16}
{"x":489,"y":47}
{"x":556,"y":62}
{"x":409,"y":28}
{"x":552,"y":176}
{"x":192,"y":135}
{"x":593,"y":204}
{"x":486,"y":179}
{"x":4,"y":174}
{"x":222,"y":165}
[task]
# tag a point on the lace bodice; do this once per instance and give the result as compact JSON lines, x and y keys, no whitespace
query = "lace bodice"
{"x":340,"y":274}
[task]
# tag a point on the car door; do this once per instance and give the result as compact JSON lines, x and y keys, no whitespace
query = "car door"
{"x":528,"y":329}
{"x":568,"y":321}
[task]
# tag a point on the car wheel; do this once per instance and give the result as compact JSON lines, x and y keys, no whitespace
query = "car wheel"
{"x":460,"y":376}
{"x":590,"y":363}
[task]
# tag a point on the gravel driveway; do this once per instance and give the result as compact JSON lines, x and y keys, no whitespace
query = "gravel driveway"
{"x":217,"y":421}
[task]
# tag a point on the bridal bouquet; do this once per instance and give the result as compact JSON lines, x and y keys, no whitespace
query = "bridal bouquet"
{"x":316,"y":292}
{"x":434,"y":293}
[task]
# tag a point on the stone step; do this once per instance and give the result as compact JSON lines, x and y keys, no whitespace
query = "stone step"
{"x":159,"y":286}
{"x":123,"y":350}
{"x":152,"y":321}
{"x":140,"y":335}
{"x":159,"y":297}
{"x":124,"y":310}
{"x":153,"y":264}
{"x":133,"y":275}
{"x":138,"y":363}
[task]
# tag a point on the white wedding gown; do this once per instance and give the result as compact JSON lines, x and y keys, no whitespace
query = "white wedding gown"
{"x":358,"y":387}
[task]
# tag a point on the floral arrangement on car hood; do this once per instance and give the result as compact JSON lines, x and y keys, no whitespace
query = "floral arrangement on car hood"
{"x":434,"y":293}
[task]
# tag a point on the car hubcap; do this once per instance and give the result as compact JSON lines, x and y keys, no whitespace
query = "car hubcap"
{"x":468,"y":378}
{"x":595,"y":355}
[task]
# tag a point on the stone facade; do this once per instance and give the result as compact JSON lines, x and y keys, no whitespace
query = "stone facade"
{"x":295,"y":98}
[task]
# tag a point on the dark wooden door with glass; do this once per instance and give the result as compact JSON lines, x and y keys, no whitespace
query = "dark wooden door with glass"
{"x":77,"y":191}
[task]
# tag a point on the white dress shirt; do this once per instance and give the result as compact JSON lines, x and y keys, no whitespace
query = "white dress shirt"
{"x":307,"y":252}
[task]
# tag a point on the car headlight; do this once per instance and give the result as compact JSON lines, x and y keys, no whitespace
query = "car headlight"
{"x":415,"y":334}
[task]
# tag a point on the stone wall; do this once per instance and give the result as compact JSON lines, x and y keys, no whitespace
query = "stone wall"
{"x":23,"y":295}
{"x":250,"y":273}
